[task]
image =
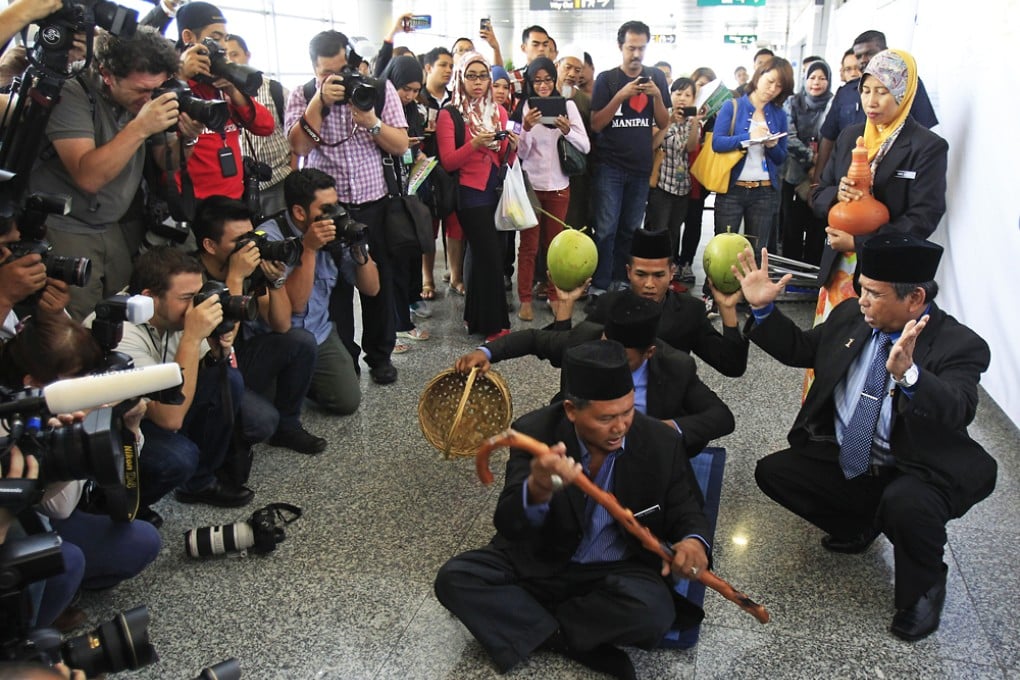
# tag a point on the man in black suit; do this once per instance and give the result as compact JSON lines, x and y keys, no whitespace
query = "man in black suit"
{"x":880,"y":444}
{"x":684,"y":323}
{"x":666,"y":383}
{"x":561,"y":573}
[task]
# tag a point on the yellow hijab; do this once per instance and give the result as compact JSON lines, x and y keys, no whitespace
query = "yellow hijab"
{"x":897,"y":71}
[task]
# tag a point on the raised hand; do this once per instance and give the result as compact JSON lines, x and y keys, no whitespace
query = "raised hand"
{"x":758,"y":289}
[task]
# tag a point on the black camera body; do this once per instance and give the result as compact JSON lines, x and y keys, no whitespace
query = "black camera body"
{"x":260,"y":533}
{"x":213,"y":113}
{"x":75,"y":271}
{"x":287,"y":251}
{"x":500,"y":135}
{"x":56,"y":31}
{"x":235,"y":307}
{"x":244,"y":78}
{"x":360,"y":91}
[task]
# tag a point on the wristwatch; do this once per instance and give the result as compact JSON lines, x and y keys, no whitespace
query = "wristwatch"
{"x":278,"y":283}
{"x":376,"y":129}
{"x":909,"y":378}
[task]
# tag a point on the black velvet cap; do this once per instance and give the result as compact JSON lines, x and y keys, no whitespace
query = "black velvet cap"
{"x":598,"y":371}
{"x":633,"y":321}
{"x":900,"y":258}
{"x":650,"y":245}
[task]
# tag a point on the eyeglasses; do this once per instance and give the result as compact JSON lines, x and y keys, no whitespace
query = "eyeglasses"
{"x":542,"y":81}
{"x":476,"y":76}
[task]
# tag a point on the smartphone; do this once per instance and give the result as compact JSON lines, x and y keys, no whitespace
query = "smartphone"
{"x":485,"y":24}
{"x":689,"y":110}
{"x":643,"y":80}
{"x":418,"y":22}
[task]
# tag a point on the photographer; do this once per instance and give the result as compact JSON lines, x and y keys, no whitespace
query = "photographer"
{"x":327,"y":124}
{"x":273,"y":355}
{"x":311,"y":193}
{"x":99,"y":133}
{"x":23,"y":277}
{"x":215,"y":166}
{"x":186,"y":443}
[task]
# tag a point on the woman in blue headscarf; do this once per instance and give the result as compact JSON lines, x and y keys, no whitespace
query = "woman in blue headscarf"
{"x":804,"y":233}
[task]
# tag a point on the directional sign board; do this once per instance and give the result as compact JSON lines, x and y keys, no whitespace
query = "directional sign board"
{"x":571,"y":4}
{"x":734,"y":3}
{"x":737,"y":39}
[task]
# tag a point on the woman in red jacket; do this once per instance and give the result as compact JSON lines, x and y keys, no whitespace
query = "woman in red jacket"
{"x":477,"y":161}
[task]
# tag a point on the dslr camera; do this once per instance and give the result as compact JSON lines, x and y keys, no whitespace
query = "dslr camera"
{"x":235,"y":307}
{"x":260,"y":533}
{"x":361,"y":92}
{"x":349,"y":233}
{"x":213,"y":113}
{"x":287,"y":251}
{"x":32,"y":226}
{"x":244,"y":78}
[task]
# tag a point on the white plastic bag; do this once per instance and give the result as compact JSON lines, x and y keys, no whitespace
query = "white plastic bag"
{"x":514,"y":211}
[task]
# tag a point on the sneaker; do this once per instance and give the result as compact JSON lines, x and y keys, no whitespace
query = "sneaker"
{"x":687,"y":274}
{"x":422,"y":309}
{"x":384,"y":374}
{"x":219,"y":494}
{"x":299,"y":440}
{"x":417,"y":334}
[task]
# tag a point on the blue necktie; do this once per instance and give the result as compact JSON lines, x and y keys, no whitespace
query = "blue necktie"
{"x":855,"y":452}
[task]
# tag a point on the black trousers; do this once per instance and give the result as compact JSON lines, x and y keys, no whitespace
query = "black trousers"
{"x":620,"y":603}
{"x":485,"y":303}
{"x":911,"y":513}
{"x":803,"y":233}
{"x":378,"y":333}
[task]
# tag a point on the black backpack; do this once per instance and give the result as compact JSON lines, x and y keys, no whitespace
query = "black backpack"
{"x":443,"y":186}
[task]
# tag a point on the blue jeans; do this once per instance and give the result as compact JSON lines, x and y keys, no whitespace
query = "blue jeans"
{"x":190,"y":457}
{"x":755,"y":207}
{"x":620,"y":199}
{"x":285,"y":360}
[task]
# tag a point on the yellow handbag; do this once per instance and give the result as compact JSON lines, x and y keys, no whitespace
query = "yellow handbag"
{"x":711,"y":168}
{"x":653,"y":179}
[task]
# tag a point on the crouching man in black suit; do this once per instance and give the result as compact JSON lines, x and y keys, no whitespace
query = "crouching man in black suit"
{"x":880,"y":444}
{"x":561,"y":573}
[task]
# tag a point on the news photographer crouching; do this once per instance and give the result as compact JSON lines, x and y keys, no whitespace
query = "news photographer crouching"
{"x":215,"y":166}
{"x":186,"y":444}
{"x":276,"y":358}
{"x":99,"y":133}
{"x":98,"y":551}
{"x":328,"y":235}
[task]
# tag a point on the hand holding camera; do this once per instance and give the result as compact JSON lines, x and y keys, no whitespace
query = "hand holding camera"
{"x":21,"y":277}
{"x":159,"y":113}
{"x":321,"y":232}
{"x":332,"y":90}
{"x":202,"y":319}
{"x":244,"y":261}
{"x":195,"y":62}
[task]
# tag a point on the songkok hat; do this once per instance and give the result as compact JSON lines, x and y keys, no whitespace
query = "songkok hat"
{"x":195,"y":16}
{"x":650,"y":245}
{"x":900,"y":258}
{"x":633,"y":321}
{"x":598,"y":371}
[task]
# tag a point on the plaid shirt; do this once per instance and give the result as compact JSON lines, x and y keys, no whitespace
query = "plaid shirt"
{"x":356,"y":163}
{"x":273,"y":150}
{"x":674,"y":177}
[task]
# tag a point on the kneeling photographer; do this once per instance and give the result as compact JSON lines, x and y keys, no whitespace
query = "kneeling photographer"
{"x":99,"y":551}
{"x":187,"y":443}
{"x":329,"y":236}
{"x":275,"y":357}
{"x":215,"y":166}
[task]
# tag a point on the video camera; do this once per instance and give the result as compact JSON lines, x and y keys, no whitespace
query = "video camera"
{"x":244,"y":78}
{"x":213,"y":113}
{"x":360,"y":91}
{"x":235,"y":307}
{"x":260,"y":533}
{"x":349,"y":233}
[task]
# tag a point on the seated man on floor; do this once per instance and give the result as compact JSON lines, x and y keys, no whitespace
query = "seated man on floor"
{"x":666,"y":383}
{"x":880,"y":444}
{"x":561,"y":574}
{"x":684,"y":324}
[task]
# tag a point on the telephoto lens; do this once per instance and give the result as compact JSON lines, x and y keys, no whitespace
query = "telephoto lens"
{"x":229,"y":669}
{"x":218,"y":540}
{"x":121,"y":643}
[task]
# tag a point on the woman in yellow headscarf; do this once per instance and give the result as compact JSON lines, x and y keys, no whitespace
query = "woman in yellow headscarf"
{"x":908,"y":162}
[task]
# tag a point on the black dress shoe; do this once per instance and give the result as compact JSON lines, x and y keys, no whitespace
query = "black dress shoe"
{"x":921,"y":619}
{"x":147,"y":514}
{"x":850,"y":546}
{"x":384,"y":374}
{"x":606,"y":659}
{"x":300,"y":440}
{"x":219,"y":494}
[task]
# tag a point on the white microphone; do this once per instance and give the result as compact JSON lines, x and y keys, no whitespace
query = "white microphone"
{"x":77,"y":394}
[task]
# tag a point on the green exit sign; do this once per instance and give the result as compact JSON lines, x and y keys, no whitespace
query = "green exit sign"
{"x":735,"y":39}
{"x":734,"y":3}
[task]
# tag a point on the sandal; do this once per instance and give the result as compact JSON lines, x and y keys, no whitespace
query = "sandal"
{"x":400,"y":348}
{"x":457,"y":289}
{"x":419,"y":334}
{"x":428,"y":291}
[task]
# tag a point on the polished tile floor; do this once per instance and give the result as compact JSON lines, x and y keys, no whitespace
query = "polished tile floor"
{"x":348,"y":594}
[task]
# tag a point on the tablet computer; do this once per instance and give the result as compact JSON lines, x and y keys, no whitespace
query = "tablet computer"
{"x":550,"y":108}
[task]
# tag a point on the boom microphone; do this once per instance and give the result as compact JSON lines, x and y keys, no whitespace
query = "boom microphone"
{"x":76,"y":394}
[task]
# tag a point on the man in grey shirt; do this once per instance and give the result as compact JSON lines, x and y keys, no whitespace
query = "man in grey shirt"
{"x":98,"y":134}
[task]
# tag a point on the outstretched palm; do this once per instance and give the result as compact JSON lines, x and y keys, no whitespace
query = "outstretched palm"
{"x":759,"y":290}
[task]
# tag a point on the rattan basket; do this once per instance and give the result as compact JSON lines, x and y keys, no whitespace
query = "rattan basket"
{"x":457,"y":412}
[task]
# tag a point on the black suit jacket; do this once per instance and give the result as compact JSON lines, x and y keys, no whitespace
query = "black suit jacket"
{"x":929,"y":433}
{"x":653,"y":470}
{"x":685,"y":325}
{"x":916,"y":204}
{"x":675,"y":391}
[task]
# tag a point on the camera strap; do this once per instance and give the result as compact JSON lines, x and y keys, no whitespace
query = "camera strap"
{"x":180,"y":201}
